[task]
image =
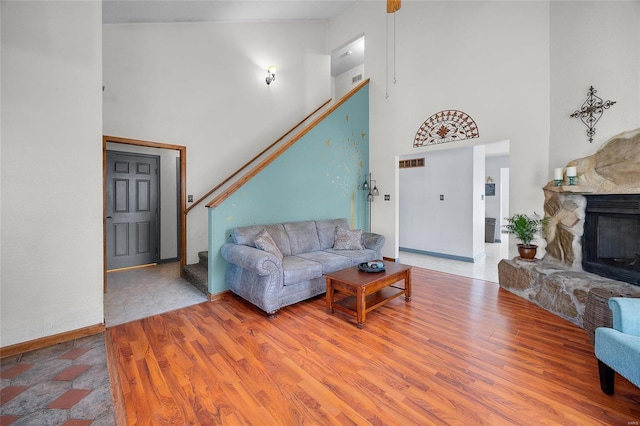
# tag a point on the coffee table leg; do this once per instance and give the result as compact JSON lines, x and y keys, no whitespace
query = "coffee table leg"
{"x":329,"y":295}
{"x":360,"y":307}
{"x":407,"y":286}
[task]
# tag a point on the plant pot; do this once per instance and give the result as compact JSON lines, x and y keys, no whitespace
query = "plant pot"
{"x":527,"y":252}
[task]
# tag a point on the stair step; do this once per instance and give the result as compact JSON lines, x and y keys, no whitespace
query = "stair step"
{"x":198,"y":275}
{"x":204,"y":258}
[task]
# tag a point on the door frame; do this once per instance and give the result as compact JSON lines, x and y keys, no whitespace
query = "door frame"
{"x":182,"y":196}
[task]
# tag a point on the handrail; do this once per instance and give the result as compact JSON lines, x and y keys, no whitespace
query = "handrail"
{"x":244,"y":166}
{"x":258,"y":168}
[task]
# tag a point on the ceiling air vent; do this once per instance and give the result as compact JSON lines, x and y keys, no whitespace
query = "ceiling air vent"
{"x":356,"y":78}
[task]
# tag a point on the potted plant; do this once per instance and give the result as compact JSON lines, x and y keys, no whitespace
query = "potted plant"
{"x":525,"y":228}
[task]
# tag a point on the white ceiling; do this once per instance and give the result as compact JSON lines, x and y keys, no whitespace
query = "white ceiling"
{"x":158,"y":11}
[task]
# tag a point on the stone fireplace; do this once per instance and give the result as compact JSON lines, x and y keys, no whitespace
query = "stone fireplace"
{"x":602,"y":210}
{"x":593,"y":234}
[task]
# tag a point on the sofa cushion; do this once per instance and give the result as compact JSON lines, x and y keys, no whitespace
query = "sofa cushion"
{"x":246,"y":236}
{"x":265,"y":243}
{"x":347,"y":239}
{"x":297,"y":269}
{"x":356,"y":256}
{"x":303,"y":237}
{"x":327,"y":231}
{"x":330,"y":262}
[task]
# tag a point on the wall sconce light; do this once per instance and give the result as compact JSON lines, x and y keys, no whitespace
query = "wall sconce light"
{"x":370,"y":185}
{"x":374,"y":191}
{"x":271,"y":75}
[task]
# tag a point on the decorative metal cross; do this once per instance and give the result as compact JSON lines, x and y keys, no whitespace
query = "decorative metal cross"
{"x":591,"y":111}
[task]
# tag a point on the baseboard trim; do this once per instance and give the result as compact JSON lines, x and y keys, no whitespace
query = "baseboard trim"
{"x":218,"y":296}
{"x":441,"y":255}
{"x":43,"y":342}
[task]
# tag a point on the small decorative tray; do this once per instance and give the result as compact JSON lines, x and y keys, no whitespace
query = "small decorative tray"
{"x":371,"y":267}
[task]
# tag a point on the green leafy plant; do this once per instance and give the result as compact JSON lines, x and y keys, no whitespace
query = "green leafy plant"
{"x":525,"y":227}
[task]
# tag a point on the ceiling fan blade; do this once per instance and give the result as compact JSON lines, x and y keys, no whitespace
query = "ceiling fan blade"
{"x":393,"y":6}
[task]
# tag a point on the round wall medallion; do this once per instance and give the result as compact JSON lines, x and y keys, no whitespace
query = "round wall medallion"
{"x":446,"y":126}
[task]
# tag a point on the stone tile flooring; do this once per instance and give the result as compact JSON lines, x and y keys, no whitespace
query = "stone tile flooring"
{"x":65,"y":384}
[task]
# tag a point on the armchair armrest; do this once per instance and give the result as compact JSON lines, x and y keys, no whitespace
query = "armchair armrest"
{"x":626,"y":314}
{"x":250,"y":258}
{"x":373,"y":241}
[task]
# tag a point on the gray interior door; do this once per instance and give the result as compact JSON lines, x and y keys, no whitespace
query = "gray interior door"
{"x":132,"y":209}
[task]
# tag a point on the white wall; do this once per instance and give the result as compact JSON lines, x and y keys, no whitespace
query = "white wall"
{"x":493,"y":207}
{"x":51,"y":168}
{"x":478,"y":200}
{"x":168,"y":194}
{"x":488,"y":59}
{"x":593,"y":43}
{"x":453,"y":227}
{"x":203,"y":86}
{"x":343,"y":83}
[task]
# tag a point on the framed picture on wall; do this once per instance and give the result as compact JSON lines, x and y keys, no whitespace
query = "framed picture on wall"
{"x":489,"y":189}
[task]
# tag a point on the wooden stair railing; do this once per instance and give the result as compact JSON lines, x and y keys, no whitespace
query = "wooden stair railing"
{"x":248,"y":163}
{"x":264,"y":163}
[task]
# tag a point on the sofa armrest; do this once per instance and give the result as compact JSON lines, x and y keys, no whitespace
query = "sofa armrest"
{"x":250,"y":258}
{"x":626,"y":314}
{"x":373,"y":241}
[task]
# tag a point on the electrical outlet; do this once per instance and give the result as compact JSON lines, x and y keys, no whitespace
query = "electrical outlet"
{"x":441,"y":197}
{"x":387,"y":197}
{"x":189,"y":198}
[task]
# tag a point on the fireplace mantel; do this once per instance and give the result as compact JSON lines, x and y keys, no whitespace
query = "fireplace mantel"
{"x":571,"y":189}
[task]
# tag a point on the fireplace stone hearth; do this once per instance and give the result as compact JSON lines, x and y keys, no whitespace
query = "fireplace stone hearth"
{"x":559,"y":282}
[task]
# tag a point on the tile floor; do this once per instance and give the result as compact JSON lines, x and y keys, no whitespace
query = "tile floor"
{"x":484,"y":269}
{"x":143,"y":292}
{"x":65,"y":384}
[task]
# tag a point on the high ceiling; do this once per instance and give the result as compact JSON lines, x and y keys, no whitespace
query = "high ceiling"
{"x":150,"y":11}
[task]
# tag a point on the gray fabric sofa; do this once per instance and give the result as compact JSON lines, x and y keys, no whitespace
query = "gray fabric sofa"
{"x":271,"y":281}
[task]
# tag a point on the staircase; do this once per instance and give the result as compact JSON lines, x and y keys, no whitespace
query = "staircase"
{"x":197,"y":273}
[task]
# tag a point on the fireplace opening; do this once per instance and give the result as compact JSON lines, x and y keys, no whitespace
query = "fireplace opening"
{"x":611,"y":238}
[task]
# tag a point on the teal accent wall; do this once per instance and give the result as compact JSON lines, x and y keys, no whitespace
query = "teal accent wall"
{"x":319,"y":177}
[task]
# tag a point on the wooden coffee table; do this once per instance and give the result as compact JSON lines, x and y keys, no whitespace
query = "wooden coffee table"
{"x":367,"y":290}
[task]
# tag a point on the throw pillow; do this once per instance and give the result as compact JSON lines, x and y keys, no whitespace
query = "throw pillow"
{"x":265,"y":242}
{"x":347,"y":239}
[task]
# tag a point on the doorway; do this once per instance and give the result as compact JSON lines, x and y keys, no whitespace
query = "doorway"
{"x":180,"y":192}
{"x":430,"y":197}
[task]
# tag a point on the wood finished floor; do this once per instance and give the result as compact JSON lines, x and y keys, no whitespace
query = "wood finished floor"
{"x":463,"y":351}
